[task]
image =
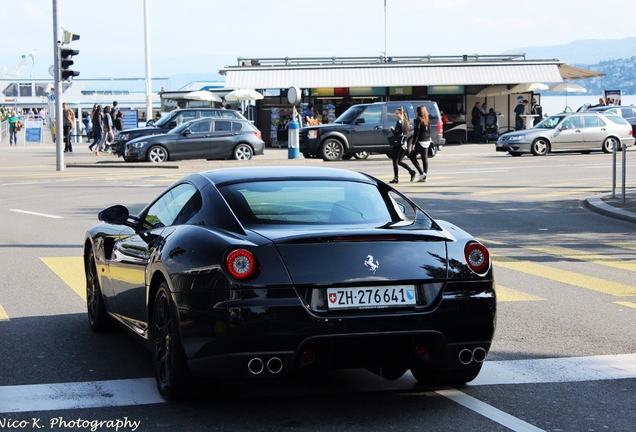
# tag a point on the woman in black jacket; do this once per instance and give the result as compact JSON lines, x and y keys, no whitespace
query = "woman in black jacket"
{"x":421,"y":141}
{"x":400,"y":131}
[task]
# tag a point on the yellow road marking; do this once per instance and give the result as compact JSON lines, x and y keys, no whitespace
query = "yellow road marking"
{"x":505,"y":294}
{"x":585,"y":256}
{"x":512,"y":190}
{"x":568,"y":192}
{"x":70,"y":270}
{"x":3,"y":314}
{"x":486,"y":241}
{"x":565,"y":276}
{"x":627,"y":304}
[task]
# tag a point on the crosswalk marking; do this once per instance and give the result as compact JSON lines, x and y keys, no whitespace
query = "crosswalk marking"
{"x":3,"y":314}
{"x":565,"y":276}
{"x":70,"y":270}
{"x":584,"y":256}
{"x":510,"y":190}
{"x":505,"y":294}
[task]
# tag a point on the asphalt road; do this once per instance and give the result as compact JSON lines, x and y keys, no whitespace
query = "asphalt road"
{"x":563,"y":359}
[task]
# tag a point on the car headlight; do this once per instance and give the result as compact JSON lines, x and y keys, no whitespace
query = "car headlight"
{"x":139,"y":144}
{"x":516,"y":138}
{"x":312,"y":134}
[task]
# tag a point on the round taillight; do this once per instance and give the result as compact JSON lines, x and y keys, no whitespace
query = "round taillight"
{"x":241,"y":263}
{"x":477,"y":257}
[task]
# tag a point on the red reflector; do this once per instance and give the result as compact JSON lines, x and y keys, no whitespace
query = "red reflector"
{"x":419,"y":351}
{"x":477,"y":257}
{"x":308,"y":356}
{"x":240,"y":263}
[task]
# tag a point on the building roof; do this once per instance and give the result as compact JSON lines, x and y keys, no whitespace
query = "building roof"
{"x":398,"y":71}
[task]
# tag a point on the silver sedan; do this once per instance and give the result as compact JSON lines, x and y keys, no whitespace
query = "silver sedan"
{"x":583,"y":132}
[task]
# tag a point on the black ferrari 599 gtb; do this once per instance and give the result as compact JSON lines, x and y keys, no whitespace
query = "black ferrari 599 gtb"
{"x":256,"y":272}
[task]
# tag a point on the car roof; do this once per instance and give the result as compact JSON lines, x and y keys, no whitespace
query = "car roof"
{"x":277,"y":173}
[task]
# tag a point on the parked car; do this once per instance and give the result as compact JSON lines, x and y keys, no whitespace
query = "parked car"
{"x":258,"y":272}
{"x":170,"y":121}
{"x":627,"y":112}
{"x":364,"y":129}
{"x":204,"y":138}
{"x":583,"y":131}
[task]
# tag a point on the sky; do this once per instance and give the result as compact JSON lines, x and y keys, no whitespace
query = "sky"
{"x":202,"y":36}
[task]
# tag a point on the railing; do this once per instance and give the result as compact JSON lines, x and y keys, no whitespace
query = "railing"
{"x":323,"y":61}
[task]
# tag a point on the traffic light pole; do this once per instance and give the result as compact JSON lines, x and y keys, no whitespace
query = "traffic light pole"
{"x":57,"y":115}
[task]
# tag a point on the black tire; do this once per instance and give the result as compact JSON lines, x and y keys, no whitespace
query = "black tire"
{"x":242,"y":152}
{"x":362,"y":155}
{"x":434,"y":377}
{"x":98,"y":319}
{"x":609,"y":143}
{"x":586,"y":152}
{"x":347,"y":157}
{"x":540,"y":147}
{"x":157,"y":154}
{"x":172,"y":374}
{"x":331,"y":149}
{"x":513,"y":153}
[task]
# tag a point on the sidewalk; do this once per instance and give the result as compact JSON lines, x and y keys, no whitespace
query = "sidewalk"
{"x":614,"y":207}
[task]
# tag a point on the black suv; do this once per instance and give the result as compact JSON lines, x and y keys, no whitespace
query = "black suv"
{"x":364,"y":129}
{"x":170,"y":121}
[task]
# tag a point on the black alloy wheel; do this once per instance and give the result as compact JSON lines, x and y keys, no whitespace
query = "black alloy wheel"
{"x":97,"y":316}
{"x":171,"y":370}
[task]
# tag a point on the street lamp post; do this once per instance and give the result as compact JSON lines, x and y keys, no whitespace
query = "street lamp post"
{"x":147,"y":55}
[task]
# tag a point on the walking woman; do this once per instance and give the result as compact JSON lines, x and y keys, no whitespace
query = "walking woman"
{"x":421,"y":141}
{"x":97,"y":129}
{"x":13,"y":119}
{"x":69,"y":124}
{"x":400,"y":131}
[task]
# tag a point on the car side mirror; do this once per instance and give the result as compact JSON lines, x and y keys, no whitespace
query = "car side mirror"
{"x":360,"y":121}
{"x":116,"y":215}
{"x":186,"y":132}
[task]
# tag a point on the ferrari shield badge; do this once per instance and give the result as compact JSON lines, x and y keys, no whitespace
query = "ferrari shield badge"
{"x":371,"y":264}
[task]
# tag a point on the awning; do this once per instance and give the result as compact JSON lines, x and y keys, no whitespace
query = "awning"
{"x":392,"y":75}
{"x":573,"y":72}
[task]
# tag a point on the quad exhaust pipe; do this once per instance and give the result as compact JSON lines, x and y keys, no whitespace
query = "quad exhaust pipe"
{"x":256,"y":366}
{"x":467,"y":356}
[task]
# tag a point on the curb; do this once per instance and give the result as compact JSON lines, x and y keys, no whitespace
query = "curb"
{"x":597,"y":205}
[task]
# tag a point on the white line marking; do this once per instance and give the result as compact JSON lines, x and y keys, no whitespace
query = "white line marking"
{"x":555,"y":370}
{"x":143,"y":391}
{"x":36,"y":214}
{"x":488,"y":411}
{"x":52,"y":397}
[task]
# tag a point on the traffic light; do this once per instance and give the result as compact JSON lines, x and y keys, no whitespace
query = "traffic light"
{"x":66,"y":54}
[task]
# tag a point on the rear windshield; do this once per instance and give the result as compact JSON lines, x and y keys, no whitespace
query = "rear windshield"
{"x":319,"y":202}
{"x":617,"y":119}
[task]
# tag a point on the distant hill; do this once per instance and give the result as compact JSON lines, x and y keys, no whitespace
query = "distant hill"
{"x":589,"y":51}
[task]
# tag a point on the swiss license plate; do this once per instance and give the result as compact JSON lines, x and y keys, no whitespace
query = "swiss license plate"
{"x":371,"y":297}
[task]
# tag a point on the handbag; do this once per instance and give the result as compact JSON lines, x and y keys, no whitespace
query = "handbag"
{"x":398,"y":140}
